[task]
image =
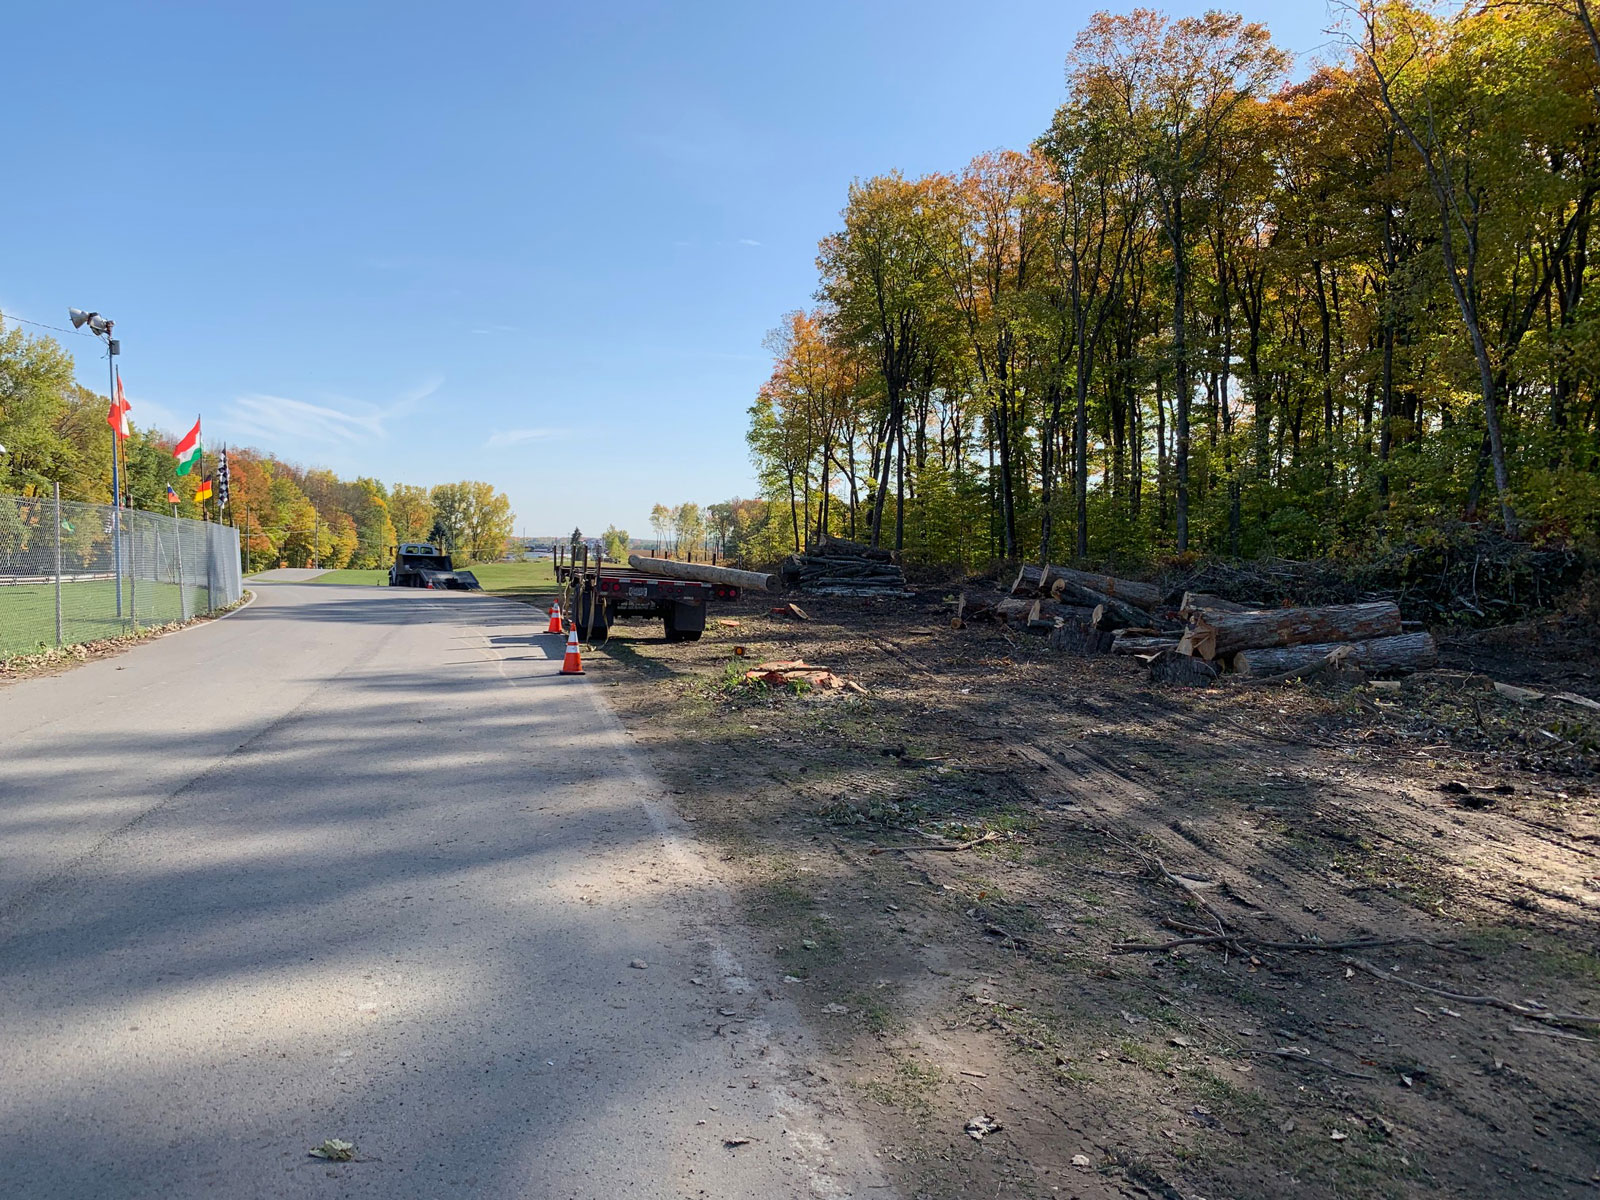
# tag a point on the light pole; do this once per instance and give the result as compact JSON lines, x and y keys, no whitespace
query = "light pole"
{"x":101,"y":327}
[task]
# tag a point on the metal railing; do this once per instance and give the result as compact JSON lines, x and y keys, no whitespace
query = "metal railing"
{"x":73,"y":572}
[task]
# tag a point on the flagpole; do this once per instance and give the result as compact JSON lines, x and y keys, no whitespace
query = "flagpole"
{"x":116,"y":480}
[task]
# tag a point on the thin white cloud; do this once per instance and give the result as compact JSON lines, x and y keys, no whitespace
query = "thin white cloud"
{"x":748,"y":242}
{"x":282,"y":419}
{"x":516,"y":437}
{"x":490,"y":329}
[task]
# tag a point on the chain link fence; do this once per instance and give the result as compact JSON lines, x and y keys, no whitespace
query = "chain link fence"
{"x":74,"y":572}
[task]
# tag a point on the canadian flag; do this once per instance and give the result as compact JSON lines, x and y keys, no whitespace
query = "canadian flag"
{"x":117,"y":418}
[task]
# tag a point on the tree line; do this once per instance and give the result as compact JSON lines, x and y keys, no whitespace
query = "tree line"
{"x":55,"y":432}
{"x":1212,"y":310}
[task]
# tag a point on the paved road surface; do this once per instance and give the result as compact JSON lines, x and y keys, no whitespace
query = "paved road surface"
{"x":356,"y":863}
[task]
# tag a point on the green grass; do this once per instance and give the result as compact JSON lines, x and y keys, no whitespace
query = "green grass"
{"x":88,"y":611}
{"x":511,"y":577}
{"x":498,"y":577}
{"x":370,"y":578}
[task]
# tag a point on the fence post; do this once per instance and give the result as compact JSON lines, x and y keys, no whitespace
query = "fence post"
{"x":58,"y":564}
{"x":133,"y":601}
{"x":211,"y":561}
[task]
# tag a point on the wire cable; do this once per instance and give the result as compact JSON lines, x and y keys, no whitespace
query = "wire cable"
{"x":4,"y":317}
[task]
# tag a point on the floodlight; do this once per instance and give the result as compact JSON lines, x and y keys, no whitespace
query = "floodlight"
{"x":95,"y":322}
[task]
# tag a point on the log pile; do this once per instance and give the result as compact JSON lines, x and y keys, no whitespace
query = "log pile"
{"x":1086,"y":613}
{"x":836,"y":567}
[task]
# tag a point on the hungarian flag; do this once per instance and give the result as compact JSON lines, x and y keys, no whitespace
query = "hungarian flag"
{"x":117,"y":418}
{"x":187,"y":452}
{"x":172,"y":496}
{"x":203,"y":492}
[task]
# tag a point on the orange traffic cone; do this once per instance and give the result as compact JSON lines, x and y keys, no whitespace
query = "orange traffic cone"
{"x":573,"y":663}
{"x":555,"y":619}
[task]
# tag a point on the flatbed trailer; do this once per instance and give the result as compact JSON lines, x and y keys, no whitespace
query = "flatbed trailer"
{"x":595,"y":597}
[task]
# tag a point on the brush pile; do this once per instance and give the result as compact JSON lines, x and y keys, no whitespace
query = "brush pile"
{"x":836,"y":567}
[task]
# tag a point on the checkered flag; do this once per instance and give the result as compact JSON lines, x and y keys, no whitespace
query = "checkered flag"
{"x":222,"y":478}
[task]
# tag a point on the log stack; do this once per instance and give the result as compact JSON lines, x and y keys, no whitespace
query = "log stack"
{"x":1087,"y":613}
{"x":836,"y":567}
{"x":1269,"y":643}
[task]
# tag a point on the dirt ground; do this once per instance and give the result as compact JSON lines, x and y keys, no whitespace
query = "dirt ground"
{"x":951,"y":867}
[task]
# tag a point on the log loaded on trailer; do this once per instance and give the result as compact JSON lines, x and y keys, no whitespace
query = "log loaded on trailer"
{"x":595,"y":597}
{"x":421,"y":565}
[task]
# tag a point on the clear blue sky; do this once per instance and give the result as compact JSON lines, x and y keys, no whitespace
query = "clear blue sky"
{"x":533,"y":244}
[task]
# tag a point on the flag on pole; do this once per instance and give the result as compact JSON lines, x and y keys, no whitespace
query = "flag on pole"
{"x":222,"y":478}
{"x":172,"y":496}
{"x":117,"y":418}
{"x":188,"y":451}
{"x":203,"y":492}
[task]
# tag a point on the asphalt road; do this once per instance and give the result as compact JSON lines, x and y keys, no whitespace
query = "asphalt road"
{"x":358,"y":863}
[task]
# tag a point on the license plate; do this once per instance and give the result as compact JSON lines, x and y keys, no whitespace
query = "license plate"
{"x":638,"y":591}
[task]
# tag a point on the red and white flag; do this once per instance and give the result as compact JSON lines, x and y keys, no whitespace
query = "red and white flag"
{"x":117,"y":418}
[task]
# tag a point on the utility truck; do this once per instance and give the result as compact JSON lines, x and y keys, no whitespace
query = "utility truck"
{"x":424,"y":565}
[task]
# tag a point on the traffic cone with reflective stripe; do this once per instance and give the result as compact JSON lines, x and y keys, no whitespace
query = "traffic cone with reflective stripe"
{"x":555,"y":618}
{"x":573,"y":663}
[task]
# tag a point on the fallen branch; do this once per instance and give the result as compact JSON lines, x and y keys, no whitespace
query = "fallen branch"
{"x":947,"y":847}
{"x":1582,"y":1020}
{"x":1293,"y":1056}
{"x":1240,"y":942}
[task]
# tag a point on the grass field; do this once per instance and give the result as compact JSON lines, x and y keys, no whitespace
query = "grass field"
{"x":370,"y":578}
{"x":510,"y":578}
{"x":501,"y":578}
{"x":88,"y":611}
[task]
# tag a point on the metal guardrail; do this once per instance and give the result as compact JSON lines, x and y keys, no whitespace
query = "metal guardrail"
{"x":72,"y":572}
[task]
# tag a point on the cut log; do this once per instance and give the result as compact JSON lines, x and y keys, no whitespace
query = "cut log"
{"x":1076,"y":638}
{"x":756,"y":581}
{"x":1213,"y":632}
{"x":1049,"y":610}
{"x":1015,"y":611}
{"x":1403,"y":652}
{"x":1029,"y":580}
{"x":1144,"y":595}
{"x":1143,"y":645}
{"x":961,"y":607}
{"x":1171,"y":667}
{"x":1197,"y":600}
{"x":844,"y":548}
{"x":1111,"y":613}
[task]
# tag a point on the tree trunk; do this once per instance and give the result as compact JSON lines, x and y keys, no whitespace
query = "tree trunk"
{"x":1403,"y":652}
{"x":1215,"y":633}
{"x":1145,"y":595}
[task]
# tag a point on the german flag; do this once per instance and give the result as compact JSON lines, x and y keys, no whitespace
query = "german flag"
{"x":203,"y":492}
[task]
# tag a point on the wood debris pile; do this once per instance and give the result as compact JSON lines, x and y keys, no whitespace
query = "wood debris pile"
{"x":1192,"y":637}
{"x":836,"y":567}
{"x":790,"y":671}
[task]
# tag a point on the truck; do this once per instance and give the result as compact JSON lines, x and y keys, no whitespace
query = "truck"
{"x":594,"y":596}
{"x":424,"y":565}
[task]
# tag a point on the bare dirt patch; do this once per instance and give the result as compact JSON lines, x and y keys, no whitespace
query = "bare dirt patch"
{"x":951,"y":869}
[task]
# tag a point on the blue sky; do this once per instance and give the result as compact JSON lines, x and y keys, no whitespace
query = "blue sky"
{"x":533,"y":244}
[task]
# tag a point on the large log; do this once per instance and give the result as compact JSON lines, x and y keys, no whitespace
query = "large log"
{"x":1015,"y":610}
{"x":1405,"y":652}
{"x":756,"y":581}
{"x":1198,"y":600}
{"x":1077,"y":638}
{"x":1144,"y":595}
{"x":1171,"y":667}
{"x":1029,"y":580}
{"x":1111,"y":613}
{"x":844,"y":548}
{"x":1213,"y":632}
{"x":1123,"y":644}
